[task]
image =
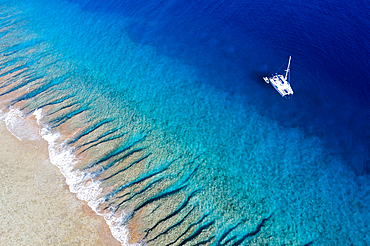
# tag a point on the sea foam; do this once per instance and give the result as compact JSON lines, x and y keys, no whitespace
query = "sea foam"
{"x":18,"y":126}
{"x":79,"y":182}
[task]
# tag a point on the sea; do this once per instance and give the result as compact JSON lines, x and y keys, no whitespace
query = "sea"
{"x":156,"y":113}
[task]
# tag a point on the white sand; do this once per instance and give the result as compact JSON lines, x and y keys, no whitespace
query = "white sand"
{"x":36,"y":207}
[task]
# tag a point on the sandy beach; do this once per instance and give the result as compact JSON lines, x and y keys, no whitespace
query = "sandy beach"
{"x":36,"y":207}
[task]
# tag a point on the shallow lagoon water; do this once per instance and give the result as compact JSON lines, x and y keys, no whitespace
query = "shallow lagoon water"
{"x":172,"y":135}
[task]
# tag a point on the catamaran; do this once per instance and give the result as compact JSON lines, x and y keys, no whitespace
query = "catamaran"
{"x":281,"y":83}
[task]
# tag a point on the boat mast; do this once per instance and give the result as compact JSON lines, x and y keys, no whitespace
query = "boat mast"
{"x":287,"y":70}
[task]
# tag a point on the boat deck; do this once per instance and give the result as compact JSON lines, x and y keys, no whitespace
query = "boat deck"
{"x":280,"y":84}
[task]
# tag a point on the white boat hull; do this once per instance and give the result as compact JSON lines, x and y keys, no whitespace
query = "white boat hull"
{"x":281,"y":83}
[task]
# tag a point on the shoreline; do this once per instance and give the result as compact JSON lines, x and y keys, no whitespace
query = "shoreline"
{"x":36,"y":205}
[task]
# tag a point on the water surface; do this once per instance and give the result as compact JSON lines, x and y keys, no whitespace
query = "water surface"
{"x":157,"y":114}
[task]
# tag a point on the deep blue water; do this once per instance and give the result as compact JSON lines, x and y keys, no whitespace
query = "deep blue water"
{"x":245,"y":40}
{"x":163,"y":103}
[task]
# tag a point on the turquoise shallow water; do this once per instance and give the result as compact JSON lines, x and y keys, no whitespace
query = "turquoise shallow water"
{"x":177,"y":157}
